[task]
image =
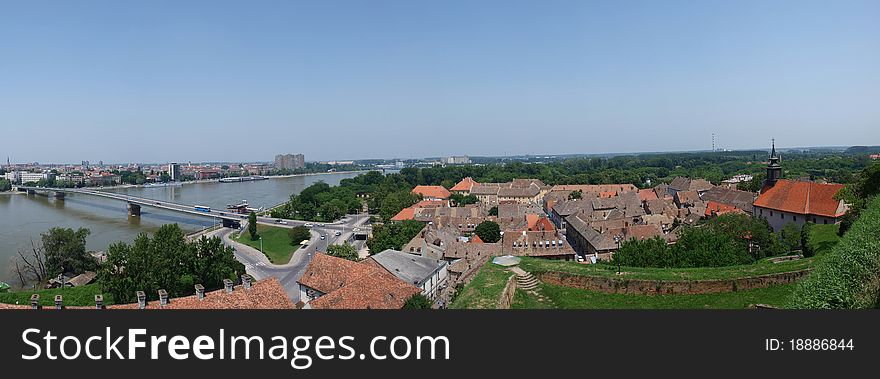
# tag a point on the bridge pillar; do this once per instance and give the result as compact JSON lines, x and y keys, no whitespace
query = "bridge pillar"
{"x":59,"y":195}
{"x":134,"y":210}
{"x":31,"y":192}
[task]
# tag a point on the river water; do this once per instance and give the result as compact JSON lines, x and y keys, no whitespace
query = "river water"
{"x":24,"y":217}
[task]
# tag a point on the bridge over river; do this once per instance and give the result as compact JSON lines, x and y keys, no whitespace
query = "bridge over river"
{"x":229,"y":218}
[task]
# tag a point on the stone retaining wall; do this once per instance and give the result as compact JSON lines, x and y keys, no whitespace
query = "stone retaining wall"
{"x":623,"y":285}
{"x":507,"y":295}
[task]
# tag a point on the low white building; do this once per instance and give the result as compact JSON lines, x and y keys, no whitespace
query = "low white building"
{"x":21,"y":177}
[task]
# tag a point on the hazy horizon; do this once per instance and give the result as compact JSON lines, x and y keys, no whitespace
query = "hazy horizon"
{"x":218,"y":81}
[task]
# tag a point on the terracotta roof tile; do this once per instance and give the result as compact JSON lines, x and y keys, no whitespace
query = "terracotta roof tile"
{"x":353,"y":285}
{"x":802,"y":198}
{"x":437,"y":192}
{"x":465,"y":184}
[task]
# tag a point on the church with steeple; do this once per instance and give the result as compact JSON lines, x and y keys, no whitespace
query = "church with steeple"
{"x":783,"y":201}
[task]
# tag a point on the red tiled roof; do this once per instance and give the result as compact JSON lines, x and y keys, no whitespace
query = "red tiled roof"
{"x":531,"y":220}
{"x":465,"y":184}
{"x":542,"y":223}
{"x":476,"y":239}
{"x":353,"y":285}
{"x":643,"y":232}
{"x":432,"y":191}
{"x":407,"y":213}
{"x":645,"y":195}
{"x":716,"y":208}
{"x":802,"y":198}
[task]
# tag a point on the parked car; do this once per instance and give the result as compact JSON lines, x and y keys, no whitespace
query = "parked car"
{"x":338,"y":233}
{"x":322,"y":237}
{"x":308,"y":225}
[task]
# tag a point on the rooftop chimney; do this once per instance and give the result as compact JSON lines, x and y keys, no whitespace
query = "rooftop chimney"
{"x":59,"y":302}
{"x":142,"y":299}
{"x":227,"y":283}
{"x":246,"y":281}
{"x":200,"y":291}
{"x":163,"y":297}
{"x":35,"y":301}
{"x":99,"y":301}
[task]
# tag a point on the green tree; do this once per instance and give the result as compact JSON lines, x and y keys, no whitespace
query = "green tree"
{"x":65,"y":251}
{"x":806,"y":232}
{"x":166,"y":261}
{"x":418,"y":301}
{"x":393,"y":235}
{"x":344,"y":251}
{"x":298,"y":234}
{"x":252,"y":226}
{"x":791,"y":236}
{"x":489,"y":231}
{"x":858,"y":194}
{"x":652,"y":252}
{"x":575,"y":195}
{"x":493,"y":211}
{"x":461,"y":199}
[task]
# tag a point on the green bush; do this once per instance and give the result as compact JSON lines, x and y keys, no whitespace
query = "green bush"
{"x":849,"y":276}
{"x":726,"y":240}
{"x":806,"y":232}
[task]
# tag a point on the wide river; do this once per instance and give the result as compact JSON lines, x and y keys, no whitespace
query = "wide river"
{"x":23,"y":217}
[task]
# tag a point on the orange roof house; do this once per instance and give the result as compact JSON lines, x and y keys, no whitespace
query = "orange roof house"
{"x":802,"y":198}
{"x":536,"y":222}
{"x":409,"y":213}
{"x":465,"y":185}
{"x":336,"y":283}
{"x":645,"y":195}
{"x":716,"y":209}
{"x":432,"y":192}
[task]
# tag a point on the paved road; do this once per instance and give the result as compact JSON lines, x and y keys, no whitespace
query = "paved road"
{"x":258,"y":266}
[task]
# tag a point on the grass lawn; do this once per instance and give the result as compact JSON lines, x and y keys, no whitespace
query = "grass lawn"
{"x":823,"y":238}
{"x":572,"y":298}
{"x":484,"y":290}
{"x":76,"y":296}
{"x":276,"y":243}
{"x":760,"y":268}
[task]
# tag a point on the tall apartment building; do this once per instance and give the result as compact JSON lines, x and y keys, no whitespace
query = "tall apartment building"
{"x":174,"y":171}
{"x":290,"y":161}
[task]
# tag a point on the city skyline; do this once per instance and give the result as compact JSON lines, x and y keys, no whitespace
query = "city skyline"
{"x":224,"y":81}
{"x":272,"y":159}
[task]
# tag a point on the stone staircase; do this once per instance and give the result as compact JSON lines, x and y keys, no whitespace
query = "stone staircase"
{"x":526,"y":281}
{"x":529,"y":283}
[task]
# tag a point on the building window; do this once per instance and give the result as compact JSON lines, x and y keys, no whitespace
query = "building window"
{"x":782,"y":215}
{"x":771,"y":213}
{"x":825,"y":222}
{"x":795,"y":218}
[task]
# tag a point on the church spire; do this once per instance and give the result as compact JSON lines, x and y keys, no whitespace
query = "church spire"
{"x":774,"y":170}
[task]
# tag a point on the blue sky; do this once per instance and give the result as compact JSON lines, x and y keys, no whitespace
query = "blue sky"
{"x":194,"y":81}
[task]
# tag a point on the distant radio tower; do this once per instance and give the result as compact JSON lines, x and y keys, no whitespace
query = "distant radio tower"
{"x":713,"y":142}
